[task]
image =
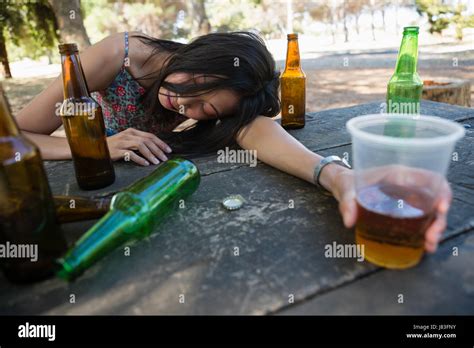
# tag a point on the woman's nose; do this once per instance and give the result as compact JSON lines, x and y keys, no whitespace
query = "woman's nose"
{"x":186,"y":101}
{"x":192,"y":111}
{"x":187,"y":105}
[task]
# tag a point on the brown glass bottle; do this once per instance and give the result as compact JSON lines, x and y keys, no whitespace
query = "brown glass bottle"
{"x":84,"y":125}
{"x":75,"y":208}
{"x":293,"y":88}
{"x":28,"y":224}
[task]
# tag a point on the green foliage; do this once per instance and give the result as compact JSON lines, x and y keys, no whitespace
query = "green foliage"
{"x":29,"y":28}
{"x":158,"y":18}
{"x":461,"y":21}
{"x":265,"y":16}
{"x":437,"y":14}
{"x":441,"y":15}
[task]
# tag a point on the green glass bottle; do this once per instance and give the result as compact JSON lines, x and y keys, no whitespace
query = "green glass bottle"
{"x":405,"y":86}
{"x":134,"y":214}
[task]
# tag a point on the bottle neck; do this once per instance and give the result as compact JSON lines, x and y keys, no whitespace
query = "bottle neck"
{"x":293,"y":55}
{"x":8,"y":125}
{"x":106,"y":235}
{"x":74,"y":82}
{"x":408,"y":54}
{"x":76,"y":208}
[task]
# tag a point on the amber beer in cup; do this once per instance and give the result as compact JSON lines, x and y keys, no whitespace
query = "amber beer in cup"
{"x":397,"y":182}
{"x":84,"y":125}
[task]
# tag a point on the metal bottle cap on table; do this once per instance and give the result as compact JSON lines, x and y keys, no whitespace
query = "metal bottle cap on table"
{"x":233,"y":202}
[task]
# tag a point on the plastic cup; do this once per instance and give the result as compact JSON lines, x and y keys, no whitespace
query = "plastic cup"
{"x":398,"y":181}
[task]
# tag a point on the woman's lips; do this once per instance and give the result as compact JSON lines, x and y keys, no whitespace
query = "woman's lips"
{"x":170,"y":104}
{"x":171,"y":100}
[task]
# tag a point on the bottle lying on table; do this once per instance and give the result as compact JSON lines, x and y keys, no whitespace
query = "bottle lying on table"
{"x":134,"y":213}
{"x":75,"y":208}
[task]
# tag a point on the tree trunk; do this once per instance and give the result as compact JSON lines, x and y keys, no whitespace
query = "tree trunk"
{"x":397,"y":26}
{"x":289,"y":17}
{"x":344,"y":21}
{"x":201,"y":24}
{"x":70,"y":23}
{"x":357,"y":17}
{"x":4,"y":58}
{"x":372,"y":25}
{"x":447,"y":90}
{"x":346,"y":31}
{"x":459,"y":33}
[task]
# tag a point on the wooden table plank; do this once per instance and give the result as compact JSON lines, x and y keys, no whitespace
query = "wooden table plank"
{"x":281,"y":250}
{"x":443,"y":284}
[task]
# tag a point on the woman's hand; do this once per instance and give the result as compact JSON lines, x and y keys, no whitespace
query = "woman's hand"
{"x":344,"y":191}
{"x":123,"y":145}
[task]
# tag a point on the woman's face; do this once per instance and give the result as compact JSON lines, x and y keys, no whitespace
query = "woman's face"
{"x":211,"y":105}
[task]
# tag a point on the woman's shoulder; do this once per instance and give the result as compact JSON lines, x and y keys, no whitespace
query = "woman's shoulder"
{"x":138,"y":49}
{"x":144,"y":59}
{"x":129,"y":50}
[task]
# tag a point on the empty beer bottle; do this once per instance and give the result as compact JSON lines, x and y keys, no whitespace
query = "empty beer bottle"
{"x":134,"y":213}
{"x":405,"y":87}
{"x":30,"y":238}
{"x":84,"y":125}
{"x":293,"y":88}
{"x":75,"y":208}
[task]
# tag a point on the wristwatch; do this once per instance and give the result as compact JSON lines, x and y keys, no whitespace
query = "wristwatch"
{"x":323,"y":163}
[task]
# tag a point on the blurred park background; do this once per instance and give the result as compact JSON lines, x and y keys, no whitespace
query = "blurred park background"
{"x":348,"y":47}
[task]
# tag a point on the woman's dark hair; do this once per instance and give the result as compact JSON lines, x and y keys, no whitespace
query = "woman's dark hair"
{"x":238,"y":61}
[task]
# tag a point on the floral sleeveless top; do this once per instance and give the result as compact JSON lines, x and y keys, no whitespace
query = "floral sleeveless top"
{"x":121,"y":105}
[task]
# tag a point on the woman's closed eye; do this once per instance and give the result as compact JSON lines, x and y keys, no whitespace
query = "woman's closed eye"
{"x":209,"y":110}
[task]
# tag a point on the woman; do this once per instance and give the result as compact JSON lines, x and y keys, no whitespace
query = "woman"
{"x":225,"y":83}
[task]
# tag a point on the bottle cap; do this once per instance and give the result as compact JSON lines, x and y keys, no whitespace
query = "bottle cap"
{"x":233,"y":202}
{"x":67,"y":48}
{"x":413,"y":30}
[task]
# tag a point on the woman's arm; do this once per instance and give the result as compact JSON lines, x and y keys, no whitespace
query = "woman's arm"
{"x":279,"y":149}
{"x":37,"y":120}
{"x":101,"y":63}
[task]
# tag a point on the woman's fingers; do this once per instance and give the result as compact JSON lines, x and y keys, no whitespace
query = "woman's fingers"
{"x":348,"y":210}
{"x":123,"y":144}
{"x":147,"y":148}
{"x":131,"y":145}
{"x":155,"y":150}
{"x":344,"y":192}
{"x":137,"y":159}
{"x":446,"y":196}
{"x":347,"y":203}
{"x":145,"y":151}
{"x":434,"y":232}
{"x":160,"y":143}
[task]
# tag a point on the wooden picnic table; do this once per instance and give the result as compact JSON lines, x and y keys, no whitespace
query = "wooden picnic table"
{"x":280,"y":266}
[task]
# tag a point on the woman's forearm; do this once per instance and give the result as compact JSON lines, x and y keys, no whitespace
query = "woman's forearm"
{"x":51,"y":147}
{"x":279,"y":149}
